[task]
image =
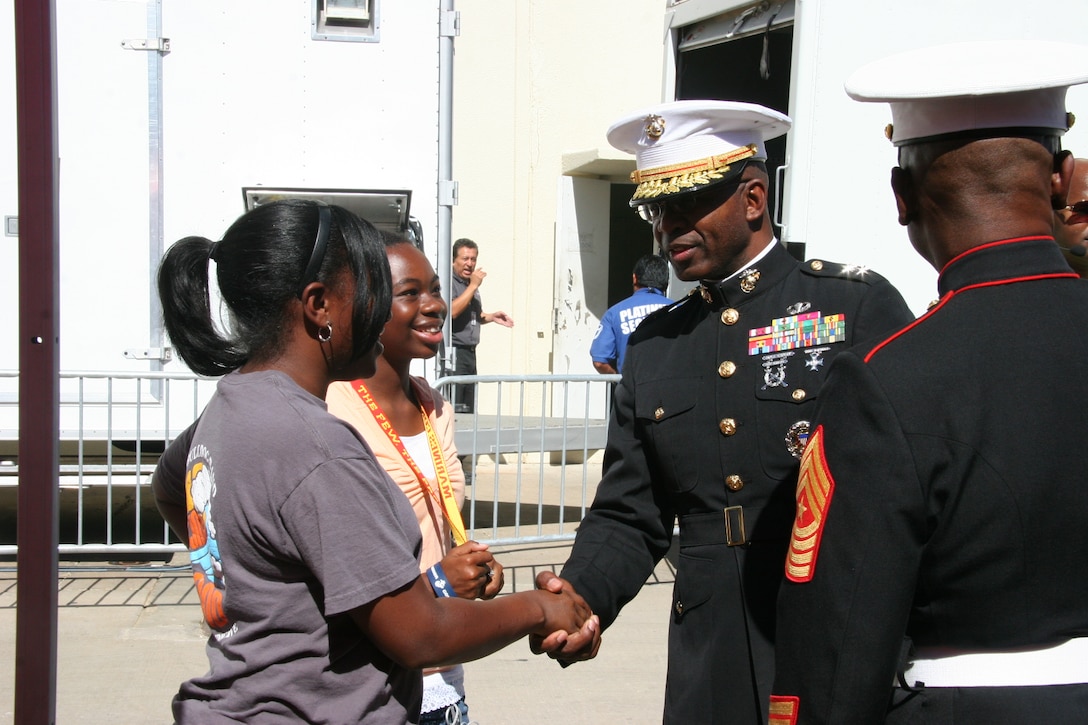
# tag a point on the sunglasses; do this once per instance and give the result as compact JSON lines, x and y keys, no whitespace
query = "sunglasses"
{"x":685,"y":204}
{"x":1075,"y":213}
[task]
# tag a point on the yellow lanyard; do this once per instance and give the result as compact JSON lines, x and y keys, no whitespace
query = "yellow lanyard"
{"x":447,"y":502}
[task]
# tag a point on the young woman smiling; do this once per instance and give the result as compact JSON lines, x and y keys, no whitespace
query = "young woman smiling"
{"x":409,"y":425}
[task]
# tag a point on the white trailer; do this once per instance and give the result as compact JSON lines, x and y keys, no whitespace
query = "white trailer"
{"x":168,"y":109}
{"x":174,"y":116}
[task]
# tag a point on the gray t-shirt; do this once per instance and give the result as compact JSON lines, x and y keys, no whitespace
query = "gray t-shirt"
{"x":465,"y":328}
{"x":292,"y":524}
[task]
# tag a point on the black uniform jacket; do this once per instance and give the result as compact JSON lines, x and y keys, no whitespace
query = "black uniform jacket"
{"x":708,"y":422}
{"x":946,"y":492}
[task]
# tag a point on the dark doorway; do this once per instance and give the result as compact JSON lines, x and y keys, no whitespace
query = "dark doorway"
{"x":730,"y":71}
{"x":628,"y":239}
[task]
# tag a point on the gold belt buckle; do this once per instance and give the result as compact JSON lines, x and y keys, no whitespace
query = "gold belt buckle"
{"x":734,"y":526}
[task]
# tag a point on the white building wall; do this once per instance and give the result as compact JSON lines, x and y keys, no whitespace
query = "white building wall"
{"x":534,"y":80}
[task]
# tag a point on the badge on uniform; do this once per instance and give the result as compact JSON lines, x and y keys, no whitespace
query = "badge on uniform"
{"x":798,"y":307}
{"x":815,"y":487}
{"x":796,"y":438}
{"x":774,"y":370}
{"x":815,"y":359}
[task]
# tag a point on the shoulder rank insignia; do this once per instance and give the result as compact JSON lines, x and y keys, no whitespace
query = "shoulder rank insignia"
{"x":838,"y":270}
{"x":783,"y":710}
{"x":814,"y":489}
{"x":855,"y":272}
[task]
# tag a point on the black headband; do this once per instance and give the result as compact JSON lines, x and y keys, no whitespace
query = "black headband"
{"x":317,"y":256}
{"x":1048,"y":137}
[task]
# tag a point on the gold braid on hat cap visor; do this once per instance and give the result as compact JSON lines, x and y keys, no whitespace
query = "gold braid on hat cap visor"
{"x":687,"y":176}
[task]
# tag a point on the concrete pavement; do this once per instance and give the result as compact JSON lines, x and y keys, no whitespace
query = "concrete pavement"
{"x":128,"y":636}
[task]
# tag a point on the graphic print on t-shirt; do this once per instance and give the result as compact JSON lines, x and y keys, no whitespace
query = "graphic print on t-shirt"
{"x":203,"y":547}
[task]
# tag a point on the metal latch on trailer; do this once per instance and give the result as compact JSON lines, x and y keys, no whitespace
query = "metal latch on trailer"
{"x":160,"y":45}
{"x":163,"y":354}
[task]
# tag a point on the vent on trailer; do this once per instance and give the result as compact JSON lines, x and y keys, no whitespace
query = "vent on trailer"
{"x":388,"y":210}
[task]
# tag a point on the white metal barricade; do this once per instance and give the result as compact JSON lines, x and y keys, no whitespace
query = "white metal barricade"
{"x":530,"y":450}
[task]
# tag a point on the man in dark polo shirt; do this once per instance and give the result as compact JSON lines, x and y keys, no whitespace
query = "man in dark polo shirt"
{"x":467,"y":314}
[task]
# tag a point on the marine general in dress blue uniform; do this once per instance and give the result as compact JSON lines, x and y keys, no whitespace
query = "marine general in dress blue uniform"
{"x":712,"y":411}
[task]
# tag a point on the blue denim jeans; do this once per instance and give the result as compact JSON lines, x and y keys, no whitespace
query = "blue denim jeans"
{"x":455,"y":714}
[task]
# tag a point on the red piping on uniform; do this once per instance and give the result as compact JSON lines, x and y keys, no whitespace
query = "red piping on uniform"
{"x":988,"y":245}
{"x":980,"y":285}
{"x":903,"y":331}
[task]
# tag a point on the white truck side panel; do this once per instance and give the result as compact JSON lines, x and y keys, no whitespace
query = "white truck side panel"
{"x":248,"y":99}
{"x":104,"y":183}
{"x":264,"y":104}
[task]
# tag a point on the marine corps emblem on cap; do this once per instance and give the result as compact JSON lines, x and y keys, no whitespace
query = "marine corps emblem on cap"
{"x":686,"y":146}
{"x":655,"y":126}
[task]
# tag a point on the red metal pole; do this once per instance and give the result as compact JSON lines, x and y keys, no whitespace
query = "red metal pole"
{"x":36,"y":613}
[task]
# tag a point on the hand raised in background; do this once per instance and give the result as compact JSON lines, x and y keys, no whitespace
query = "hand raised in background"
{"x":500,"y":317}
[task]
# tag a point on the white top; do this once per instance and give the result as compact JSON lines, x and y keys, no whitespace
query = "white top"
{"x":420,"y":452}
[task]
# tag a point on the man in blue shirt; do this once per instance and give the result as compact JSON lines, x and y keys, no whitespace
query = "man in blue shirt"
{"x":650,"y":278}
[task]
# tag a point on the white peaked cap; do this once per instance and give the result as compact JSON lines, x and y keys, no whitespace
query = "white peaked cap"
{"x":968,"y":87}
{"x":687,"y":145}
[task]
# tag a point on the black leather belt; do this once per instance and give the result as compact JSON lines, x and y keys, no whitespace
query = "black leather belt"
{"x":714,"y":527}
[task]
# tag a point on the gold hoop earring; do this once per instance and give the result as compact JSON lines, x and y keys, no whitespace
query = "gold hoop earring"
{"x":324,"y":334}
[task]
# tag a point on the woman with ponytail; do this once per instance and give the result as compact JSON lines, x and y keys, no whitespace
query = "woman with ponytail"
{"x":306,"y":554}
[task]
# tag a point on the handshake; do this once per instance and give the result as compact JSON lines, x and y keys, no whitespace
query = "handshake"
{"x":567,"y":646}
{"x":557,"y":619}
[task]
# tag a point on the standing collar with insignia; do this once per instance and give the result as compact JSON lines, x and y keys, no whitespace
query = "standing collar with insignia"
{"x":762,"y":274}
